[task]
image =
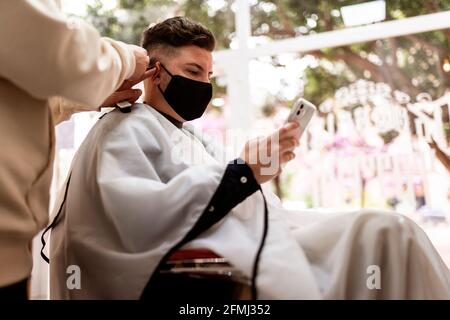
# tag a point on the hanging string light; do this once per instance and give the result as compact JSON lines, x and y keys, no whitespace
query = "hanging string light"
{"x":446,"y":65}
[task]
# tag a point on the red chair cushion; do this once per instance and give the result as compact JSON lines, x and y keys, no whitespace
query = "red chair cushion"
{"x":190,"y":254}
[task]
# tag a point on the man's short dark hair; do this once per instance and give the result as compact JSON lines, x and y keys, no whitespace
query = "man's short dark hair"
{"x":177,"y":32}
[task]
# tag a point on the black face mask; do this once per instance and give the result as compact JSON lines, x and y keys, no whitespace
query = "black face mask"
{"x":188,"y":98}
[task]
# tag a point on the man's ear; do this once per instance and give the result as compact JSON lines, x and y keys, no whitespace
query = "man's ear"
{"x":156,"y":78}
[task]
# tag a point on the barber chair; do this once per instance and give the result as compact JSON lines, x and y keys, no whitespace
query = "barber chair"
{"x":199,"y":274}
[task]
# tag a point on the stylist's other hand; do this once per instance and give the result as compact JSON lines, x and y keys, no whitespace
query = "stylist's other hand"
{"x":142,"y":60}
{"x":130,"y":95}
{"x":125,"y":91}
{"x":128,"y":84}
{"x":266,"y":155}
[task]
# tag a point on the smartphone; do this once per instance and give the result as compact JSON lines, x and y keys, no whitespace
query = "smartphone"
{"x":302,"y":112}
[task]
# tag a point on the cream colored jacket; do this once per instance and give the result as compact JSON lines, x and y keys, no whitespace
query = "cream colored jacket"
{"x":43,"y":54}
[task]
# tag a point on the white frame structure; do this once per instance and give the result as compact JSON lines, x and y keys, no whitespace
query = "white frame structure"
{"x":235,"y":62}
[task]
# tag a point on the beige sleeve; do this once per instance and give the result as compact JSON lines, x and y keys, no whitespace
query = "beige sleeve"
{"x":62,"y":109}
{"x":47,"y":54}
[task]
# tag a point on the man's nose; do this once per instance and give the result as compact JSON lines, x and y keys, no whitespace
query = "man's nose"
{"x":206,"y":78}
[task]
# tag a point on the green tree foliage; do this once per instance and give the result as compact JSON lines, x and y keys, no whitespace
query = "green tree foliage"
{"x":412,"y":63}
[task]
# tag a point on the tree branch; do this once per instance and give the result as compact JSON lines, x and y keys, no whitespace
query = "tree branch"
{"x":434,"y":6}
{"x":416,"y":39}
{"x":440,"y":154}
{"x":351,"y":59}
{"x":285,"y":21}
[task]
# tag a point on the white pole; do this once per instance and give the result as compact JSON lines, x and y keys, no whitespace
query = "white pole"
{"x":237,"y":72}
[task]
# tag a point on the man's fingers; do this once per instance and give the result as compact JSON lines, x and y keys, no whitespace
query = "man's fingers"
{"x":286,"y":130}
{"x":289,"y":126}
{"x":288,"y":144}
{"x":287,"y":156}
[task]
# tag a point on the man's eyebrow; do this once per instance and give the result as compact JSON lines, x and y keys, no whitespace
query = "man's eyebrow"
{"x":198,"y":66}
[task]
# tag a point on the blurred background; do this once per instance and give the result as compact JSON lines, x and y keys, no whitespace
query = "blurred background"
{"x":378,"y":71}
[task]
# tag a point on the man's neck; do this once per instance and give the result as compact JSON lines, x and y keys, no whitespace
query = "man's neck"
{"x":163,"y":108}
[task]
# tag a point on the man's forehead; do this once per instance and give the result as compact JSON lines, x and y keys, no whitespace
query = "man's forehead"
{"x":203,"y":61}
{"x":197,"y":65}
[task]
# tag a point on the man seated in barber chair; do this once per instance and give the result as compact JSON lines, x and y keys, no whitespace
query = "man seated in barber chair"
{"x":151,"y":205}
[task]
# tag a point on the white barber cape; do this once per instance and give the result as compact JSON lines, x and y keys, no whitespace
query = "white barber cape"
{"x":136,"y":190}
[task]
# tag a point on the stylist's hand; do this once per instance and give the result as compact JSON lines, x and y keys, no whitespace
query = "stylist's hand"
{"x":266,"y":155}
{"x":125,"y":91}
{"x":142,"y":60}
{"x":130,"y":95}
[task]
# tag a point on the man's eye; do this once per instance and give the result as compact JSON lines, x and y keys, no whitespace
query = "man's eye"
{"x":194,"y":72}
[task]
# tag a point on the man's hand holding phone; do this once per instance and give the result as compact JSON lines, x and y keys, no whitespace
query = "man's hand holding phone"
{"x":266,"y":155}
